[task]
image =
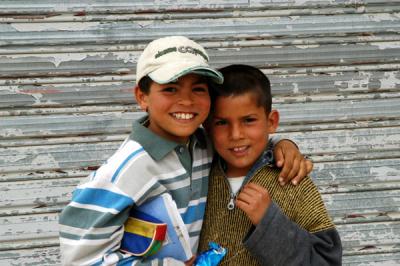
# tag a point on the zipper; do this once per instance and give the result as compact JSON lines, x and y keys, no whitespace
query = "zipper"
{"x":231,"y":204}
{"x":232,"y":197}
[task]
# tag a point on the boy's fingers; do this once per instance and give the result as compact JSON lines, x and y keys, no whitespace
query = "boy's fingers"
{"x":245,"y":196}
{"x":279,"y":158}
{"x":190,"y":262}
{"x":301,"y":174}
{"x":242,"y":205}
{"x":309,"y":166}
{"x":283,"y":176}
{"x":254,"y":186}
{"x":306,"y":167}
{"x":252,"y":193}
{"x":294,"y":171}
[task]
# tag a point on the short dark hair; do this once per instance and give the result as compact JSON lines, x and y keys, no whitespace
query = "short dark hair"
{"x":145,"y":84}
{"x":240,"y":79}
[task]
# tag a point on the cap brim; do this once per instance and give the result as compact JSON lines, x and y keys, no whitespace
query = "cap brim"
{"x":172,"y":71}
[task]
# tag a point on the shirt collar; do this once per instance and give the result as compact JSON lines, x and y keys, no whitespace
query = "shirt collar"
{"x":266,"y":158}
{"x":156,"y":146}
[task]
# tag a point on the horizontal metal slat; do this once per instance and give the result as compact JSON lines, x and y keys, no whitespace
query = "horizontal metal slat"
{"x":54,"y":33}
{"x":45,"y":256}
{"x":361,"y":140}
{"x":78,"y":124}
{"x":357,"y":110}
{"x":123,"y":6}
{"x":56,"y":157}
{"x":67,"y":94}
{"x":369,"y":237}
{"x":363,"y":207}
{"x":311,"y":85}
{"x":364,"y":175}
{"x":110,"y":120}
{"x":381,"y":258}
{"x":29,"y":231}
{"x":264,"y":57}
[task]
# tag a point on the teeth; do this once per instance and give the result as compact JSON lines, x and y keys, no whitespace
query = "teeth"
{"x":183,"y":116}
{"x":236,"y":149}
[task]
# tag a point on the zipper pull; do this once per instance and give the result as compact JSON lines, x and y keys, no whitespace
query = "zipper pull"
{"x":231,"y":204}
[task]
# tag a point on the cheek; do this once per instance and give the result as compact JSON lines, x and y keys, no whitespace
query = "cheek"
{"x":259,"y":136}
{"x":218,"y":138}
{"x":204,"y":101}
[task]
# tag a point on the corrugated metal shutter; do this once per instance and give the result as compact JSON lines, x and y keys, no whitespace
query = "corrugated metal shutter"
{"x":67,"y":70}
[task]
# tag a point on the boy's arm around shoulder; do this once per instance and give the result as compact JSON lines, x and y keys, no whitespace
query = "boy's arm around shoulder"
{"x":277,"y":240}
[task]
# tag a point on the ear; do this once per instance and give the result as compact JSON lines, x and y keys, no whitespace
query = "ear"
{"x":273,"y":121}
{"x":141,"y":98}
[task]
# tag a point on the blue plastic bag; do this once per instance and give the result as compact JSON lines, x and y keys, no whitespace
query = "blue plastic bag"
{"x":212,"y":256}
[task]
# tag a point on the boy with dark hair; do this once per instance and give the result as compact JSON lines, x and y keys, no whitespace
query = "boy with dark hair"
{"x":166,"y":152}
{"x":258,"y":221}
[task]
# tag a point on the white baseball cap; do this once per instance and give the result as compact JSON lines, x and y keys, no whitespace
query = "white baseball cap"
{"x":166,"y":59}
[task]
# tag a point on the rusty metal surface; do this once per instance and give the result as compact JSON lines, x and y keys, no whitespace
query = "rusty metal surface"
{"x":67,"y":69}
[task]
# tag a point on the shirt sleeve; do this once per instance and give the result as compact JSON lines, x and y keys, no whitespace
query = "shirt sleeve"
{"x":91,"y":225}
{"x":273,"y":140}
{"x":279,"y":241}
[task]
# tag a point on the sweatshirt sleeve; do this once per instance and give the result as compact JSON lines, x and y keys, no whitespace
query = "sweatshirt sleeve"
{"x":279,"y":241}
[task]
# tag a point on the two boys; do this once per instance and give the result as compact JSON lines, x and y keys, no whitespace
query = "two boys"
{"x":270,"y":224}
{"x":166,"y":152}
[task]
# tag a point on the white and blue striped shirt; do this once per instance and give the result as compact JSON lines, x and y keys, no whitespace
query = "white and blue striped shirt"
{"x":146,"y":165}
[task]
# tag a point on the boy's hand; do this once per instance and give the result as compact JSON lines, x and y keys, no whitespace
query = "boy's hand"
{"x":254,"y":200}
{"x":294,"y":165}
{"x":190,"y":262}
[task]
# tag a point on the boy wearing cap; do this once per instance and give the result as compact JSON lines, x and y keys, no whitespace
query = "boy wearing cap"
{"x":166,"y":152}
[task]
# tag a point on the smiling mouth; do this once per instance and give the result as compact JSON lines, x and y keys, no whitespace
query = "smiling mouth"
{"x":183,"y":116}
{"x":240,"y":149}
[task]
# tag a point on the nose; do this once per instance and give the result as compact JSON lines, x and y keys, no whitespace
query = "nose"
{"x":236,"y":132}
{"x":186,"y":98}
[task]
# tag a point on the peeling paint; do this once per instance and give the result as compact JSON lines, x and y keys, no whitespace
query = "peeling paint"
{"x":60,"y":58}
{"x":128,"y":58}
{"x":386,"y":45}
{"x":390,"y":81}
{"x":383,"y":173}
{"x":55,"y":26}
{"x":360,"y":84}
{"x":383,"y":17}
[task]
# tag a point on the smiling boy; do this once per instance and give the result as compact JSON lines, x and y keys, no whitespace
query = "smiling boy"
{"x":166,"y":152}
{"x":258,"y":221}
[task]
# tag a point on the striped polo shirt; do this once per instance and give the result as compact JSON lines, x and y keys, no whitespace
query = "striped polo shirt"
{"x":144,"y":166}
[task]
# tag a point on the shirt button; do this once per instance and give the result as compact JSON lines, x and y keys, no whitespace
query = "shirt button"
{"x":181,"y":149}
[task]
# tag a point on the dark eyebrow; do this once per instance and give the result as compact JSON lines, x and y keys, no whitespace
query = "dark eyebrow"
{"x":217,"y":117}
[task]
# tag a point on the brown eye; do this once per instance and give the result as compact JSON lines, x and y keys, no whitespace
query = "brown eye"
{"x":169,"y":89}
{"x":249,"y":120}
{"x":220,"y":122}
{"x":200,"y":89}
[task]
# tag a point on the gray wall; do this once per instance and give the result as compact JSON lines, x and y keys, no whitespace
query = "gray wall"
{"x":67,"y":69}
